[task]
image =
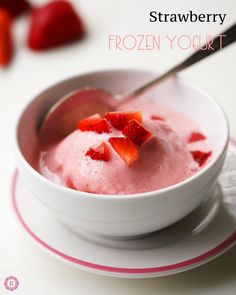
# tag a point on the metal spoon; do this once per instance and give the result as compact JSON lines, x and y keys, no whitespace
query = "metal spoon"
{"x":61,"y":119}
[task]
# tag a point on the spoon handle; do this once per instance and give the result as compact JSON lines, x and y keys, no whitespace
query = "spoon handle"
{"x":220,"y":42}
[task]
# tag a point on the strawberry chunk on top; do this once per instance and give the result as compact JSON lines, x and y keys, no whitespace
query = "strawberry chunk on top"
{"x":137,"y":132}
{"x":201,"y":157}
{"x":196,"y":136}
{"x":125,"y":148}
{"x":120,"y":119}
{"x":99,"y":152}
{"x":93,"y":123}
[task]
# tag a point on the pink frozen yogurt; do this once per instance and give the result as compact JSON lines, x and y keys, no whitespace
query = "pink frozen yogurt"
{"x":162,"y":162}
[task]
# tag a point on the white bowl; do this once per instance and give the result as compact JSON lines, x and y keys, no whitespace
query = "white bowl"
{"x":125,"y":215}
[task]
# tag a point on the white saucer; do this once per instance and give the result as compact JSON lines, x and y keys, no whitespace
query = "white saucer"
{"x":204,"y":234}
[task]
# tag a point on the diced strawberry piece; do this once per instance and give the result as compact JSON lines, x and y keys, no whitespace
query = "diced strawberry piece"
{"x":53,"y":24}
{"x":120,"y":119}
{"x":15,"y":7}
{"x":200,"y":157}
{"x":70,"y":184}
{"x":137,"y":133}
{"x":99,"y":152}
{"x":6,"y":43}
{"x":157,"y":118}
{"x":125,"y":148}
{"x":93,"y":123}
{"x":196,"y":136}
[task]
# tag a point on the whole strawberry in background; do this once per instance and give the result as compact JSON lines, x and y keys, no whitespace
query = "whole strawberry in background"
{"x":15,"y":7}
{"x":6,"y":43}
{"x":53,"y":24}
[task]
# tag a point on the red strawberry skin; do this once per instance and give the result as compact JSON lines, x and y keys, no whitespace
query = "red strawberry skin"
{"x":93,"y":123}
{"x":137,"y":133}
{"x":99,"y":152}
{"x":201,"y":157}
{"x":6,"y":42}
{"x":53,"y":24}
{"x":15,"y":7}
{"x":70,"y":184}
{"x":120,"y":119}
{"x":196,"y":136}
{"x":125,"y":148}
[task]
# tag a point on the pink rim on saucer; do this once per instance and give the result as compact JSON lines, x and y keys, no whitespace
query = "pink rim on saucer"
{"x":164,"y":269}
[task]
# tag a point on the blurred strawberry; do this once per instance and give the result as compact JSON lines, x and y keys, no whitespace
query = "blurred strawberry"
{"x":6,"y":43}
{"x":15,"y":7}
{"x":54,"y":24}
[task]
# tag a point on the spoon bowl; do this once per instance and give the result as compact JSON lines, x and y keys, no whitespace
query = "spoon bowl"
{"x":63,"y":116}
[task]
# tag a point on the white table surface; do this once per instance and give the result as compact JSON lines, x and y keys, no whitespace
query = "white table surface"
{"x":31,"y":72}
